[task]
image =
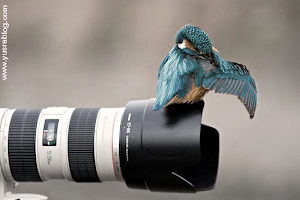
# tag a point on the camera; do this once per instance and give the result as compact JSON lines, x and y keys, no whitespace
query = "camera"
{"x":167,"y":150}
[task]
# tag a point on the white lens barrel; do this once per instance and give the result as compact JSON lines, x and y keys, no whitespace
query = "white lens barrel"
{"x":68,"y":143}
{"x":107,"y":144}
{"x":52,"y":161}
{"x":5,"y":118}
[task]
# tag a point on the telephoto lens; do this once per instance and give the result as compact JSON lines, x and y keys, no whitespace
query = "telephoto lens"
{"x":167,"y":150}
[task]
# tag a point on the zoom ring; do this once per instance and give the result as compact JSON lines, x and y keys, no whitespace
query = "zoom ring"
{"x":21,"y":145}
{"x":81,"y":145}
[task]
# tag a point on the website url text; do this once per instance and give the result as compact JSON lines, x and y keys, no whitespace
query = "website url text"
{"x":4,"y":43}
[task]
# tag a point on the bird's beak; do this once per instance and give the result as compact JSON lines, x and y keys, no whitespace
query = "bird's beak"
{"x":186,"y":44}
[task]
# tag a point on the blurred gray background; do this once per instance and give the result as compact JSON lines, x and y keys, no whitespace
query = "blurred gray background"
{"x":106,"y":53}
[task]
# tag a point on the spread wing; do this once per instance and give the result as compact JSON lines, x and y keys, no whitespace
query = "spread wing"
{"x":235,"y":79}
{"x":175,"y":76}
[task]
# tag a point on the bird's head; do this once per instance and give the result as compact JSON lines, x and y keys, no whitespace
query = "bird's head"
{"x":193,"y":38}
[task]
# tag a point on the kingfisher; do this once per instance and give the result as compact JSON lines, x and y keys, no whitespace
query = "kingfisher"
{"x":194,"y":67}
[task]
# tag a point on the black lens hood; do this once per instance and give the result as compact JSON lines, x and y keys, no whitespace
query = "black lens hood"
{"x":168,"y":150}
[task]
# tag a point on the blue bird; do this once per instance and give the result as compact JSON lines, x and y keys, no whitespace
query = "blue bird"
{"x":194,"y":67}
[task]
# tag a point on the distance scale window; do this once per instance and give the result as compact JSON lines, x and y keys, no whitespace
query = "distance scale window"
{"x":50,"y":132}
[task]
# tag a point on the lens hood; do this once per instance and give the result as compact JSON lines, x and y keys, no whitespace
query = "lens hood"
{"x":168,"y":150}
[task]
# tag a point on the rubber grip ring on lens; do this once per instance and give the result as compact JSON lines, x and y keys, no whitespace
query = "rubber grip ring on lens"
{"x":81,"y":145}
{"x":21,"y":145}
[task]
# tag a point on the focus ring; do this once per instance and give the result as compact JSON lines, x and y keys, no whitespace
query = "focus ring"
{"x":21,"y":145}
{"x":81,"y":145}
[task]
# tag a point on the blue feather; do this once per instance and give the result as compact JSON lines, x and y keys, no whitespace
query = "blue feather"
{"x":197,"y":37}
{"x":208,"y":80}
{"x":175,"y":76}
{"x":241,"y":84}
